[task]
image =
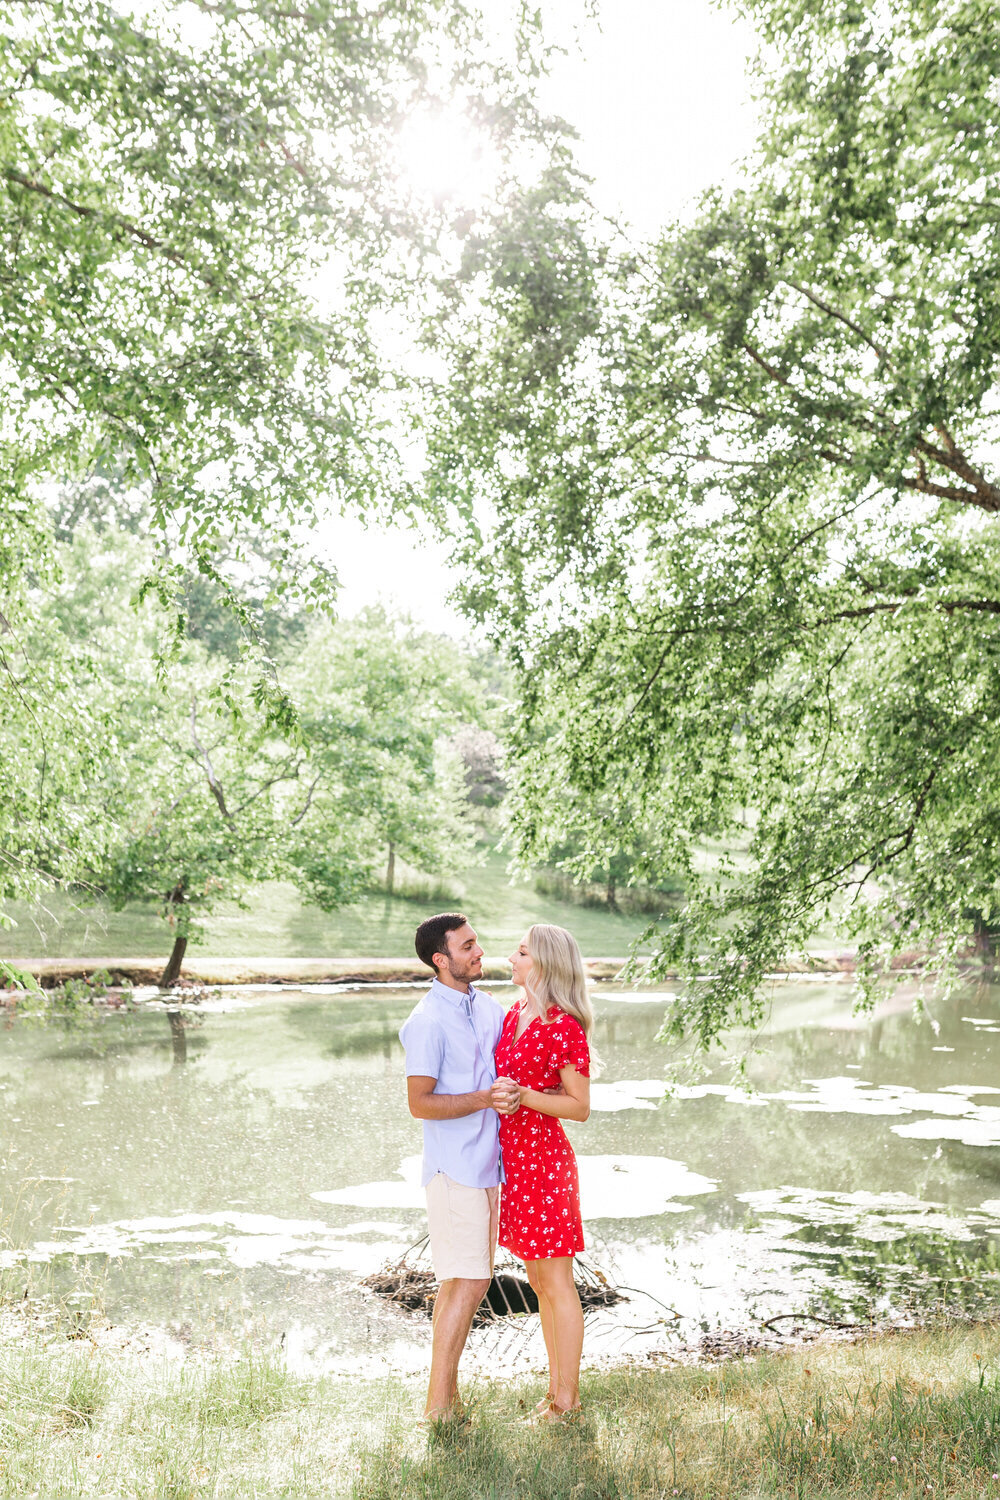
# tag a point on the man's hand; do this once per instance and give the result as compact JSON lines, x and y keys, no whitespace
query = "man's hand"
{"x":505,"y":1096}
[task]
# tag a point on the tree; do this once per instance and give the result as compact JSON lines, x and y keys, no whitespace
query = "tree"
{"x":152,"y":790}
{"x":380,"y":701}
{"x":144,"y":789}
{"x":741,"y":503}
{"x":201,"y":238}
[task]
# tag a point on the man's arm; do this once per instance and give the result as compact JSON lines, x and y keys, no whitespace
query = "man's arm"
{"x":426,"y":1105}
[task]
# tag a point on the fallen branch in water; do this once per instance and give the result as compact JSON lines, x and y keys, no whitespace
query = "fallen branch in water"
{"x":507,"y":1296}
{"x":809,"y":1318}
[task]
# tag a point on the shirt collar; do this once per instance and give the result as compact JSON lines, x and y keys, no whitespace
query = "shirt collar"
{"x":453,"y":997}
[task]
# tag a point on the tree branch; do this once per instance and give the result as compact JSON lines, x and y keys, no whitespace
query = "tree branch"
{"x":283,"y":775}
{"x":305,"y":806}
{"x":835,"y":312}
{"x":126,"y":226}
{"x":213,"y":780}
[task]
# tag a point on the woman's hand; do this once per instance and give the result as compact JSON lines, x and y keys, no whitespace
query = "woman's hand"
{"x":505,"y":1096}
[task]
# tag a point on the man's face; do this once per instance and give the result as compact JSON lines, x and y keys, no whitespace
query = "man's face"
{"x":462,"y":957}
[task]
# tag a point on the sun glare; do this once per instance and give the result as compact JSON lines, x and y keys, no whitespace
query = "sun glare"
{"x":442,"y":156}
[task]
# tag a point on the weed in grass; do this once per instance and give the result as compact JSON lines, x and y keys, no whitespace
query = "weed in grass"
{"x":241,"y":1394}
{"x":39,"y":1392}
{"x":84,"y":1395}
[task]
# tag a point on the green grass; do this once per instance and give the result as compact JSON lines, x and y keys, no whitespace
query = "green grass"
{"x":900,"y":1416}
{"x":277,"y":924}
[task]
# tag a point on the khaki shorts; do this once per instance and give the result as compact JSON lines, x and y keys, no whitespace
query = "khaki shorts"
{"x":463,"y":1228}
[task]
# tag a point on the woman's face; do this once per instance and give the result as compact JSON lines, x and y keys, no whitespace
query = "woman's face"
{"x":520,"y":962}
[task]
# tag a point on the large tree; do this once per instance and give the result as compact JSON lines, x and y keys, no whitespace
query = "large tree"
{"x":202,"y":239}
{"x":738,"y":492}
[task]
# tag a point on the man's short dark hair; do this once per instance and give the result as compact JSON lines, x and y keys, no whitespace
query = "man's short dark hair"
{"x":431,"y":935}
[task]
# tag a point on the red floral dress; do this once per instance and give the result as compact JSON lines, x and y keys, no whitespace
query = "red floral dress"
{"x":540,"y":1197}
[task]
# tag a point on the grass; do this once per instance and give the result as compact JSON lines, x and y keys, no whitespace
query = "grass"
{"x":276,"y":923}
{"x":900,"y":1416}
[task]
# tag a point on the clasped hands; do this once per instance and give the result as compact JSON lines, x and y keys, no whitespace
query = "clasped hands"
{"x":505,"y":1096}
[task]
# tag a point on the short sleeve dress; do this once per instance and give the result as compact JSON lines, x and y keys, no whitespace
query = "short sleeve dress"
{"x":540,"y":1197}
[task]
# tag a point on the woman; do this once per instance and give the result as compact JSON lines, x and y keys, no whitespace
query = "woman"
{"x":544,"y":1051}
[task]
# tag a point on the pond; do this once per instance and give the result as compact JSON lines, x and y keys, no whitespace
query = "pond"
{"x":251,"y":1187}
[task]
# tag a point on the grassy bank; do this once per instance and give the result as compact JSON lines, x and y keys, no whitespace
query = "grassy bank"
{"x":903,"y":1415}
{"x":277,"y":924}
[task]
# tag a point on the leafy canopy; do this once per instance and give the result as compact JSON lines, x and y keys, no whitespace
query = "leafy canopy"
{"x":140,"y":790}
{"x":203,"y":241}
{"x":201,"y":228}
{"x":734,"y":497}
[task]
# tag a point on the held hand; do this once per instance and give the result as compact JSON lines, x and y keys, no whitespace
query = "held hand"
{"x":505,"y":1096}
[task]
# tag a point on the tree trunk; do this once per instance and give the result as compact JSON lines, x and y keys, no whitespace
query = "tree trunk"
{"x":172,"y":972}
{"x":178,"y":1037}
{"x":986,"y":939}
{"x":611,"y":895}
{"x":176,"y":900}
{"x":390,"y":870}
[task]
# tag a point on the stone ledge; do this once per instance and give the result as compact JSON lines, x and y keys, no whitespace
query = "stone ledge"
{"x":225,"y":971}
{"x":291,"y":971}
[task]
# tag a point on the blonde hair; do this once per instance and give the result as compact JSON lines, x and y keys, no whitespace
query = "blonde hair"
{"x":557,"y":976}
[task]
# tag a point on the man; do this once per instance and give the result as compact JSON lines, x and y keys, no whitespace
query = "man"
{"x":449,"y":1039}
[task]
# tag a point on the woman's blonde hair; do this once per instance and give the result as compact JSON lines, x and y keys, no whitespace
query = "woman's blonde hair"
{"x":557,"y":975}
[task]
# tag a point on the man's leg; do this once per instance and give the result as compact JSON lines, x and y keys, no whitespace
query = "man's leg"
{"x":462,"y":1222}
{"x":454,"y":1309}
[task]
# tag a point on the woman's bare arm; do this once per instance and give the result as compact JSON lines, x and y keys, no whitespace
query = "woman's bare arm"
{"x":573,"y":1103}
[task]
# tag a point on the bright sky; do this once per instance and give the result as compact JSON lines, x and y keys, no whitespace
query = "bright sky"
{"x":660,"y":95}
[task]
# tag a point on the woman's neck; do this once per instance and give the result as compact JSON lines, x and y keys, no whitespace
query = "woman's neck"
{"x":532,"y":1009}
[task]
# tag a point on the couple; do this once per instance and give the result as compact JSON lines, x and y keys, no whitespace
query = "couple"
{"x":491,"y":1090}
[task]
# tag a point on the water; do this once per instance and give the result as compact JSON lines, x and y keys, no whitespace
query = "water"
{"x":250,"y":1187}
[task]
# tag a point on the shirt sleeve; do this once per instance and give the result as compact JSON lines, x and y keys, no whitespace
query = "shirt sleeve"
{"x":423,"y":1044}
{"x":569,"y":1045}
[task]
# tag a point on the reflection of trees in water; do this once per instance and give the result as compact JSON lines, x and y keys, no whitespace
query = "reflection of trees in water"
{"x":121,"y":1036}
{"x":923,"y":1272}
{"x":366,"y":1026}
{"x":178,"y":1036}
{"x":896,"y":1038}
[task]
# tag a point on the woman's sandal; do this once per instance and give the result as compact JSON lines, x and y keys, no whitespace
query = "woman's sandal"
{"x":568,"y":1416}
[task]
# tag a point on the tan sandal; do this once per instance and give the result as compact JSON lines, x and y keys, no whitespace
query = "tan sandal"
{"x":531,"y":1417}
{"x":564,"y":1416}
{"x":548,"y":1414}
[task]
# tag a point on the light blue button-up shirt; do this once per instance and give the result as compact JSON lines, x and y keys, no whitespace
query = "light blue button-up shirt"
{"x":450,"y":1036}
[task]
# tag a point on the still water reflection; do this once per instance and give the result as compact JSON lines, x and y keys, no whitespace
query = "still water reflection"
{"x":253,"y":1185}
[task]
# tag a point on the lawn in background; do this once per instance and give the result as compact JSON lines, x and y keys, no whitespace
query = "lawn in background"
{"x":278,"y":925}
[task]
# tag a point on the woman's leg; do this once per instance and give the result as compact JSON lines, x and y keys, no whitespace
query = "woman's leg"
{"x":556,"y":1284}
{"x":545,"y":1312}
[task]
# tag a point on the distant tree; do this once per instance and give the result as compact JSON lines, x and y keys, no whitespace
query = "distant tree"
{"x":379,"y":700}
{"x":145,"y":789}
{"x":178,"y":792}
{"x":745,"y":497}
{"x":481,"y":754}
